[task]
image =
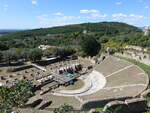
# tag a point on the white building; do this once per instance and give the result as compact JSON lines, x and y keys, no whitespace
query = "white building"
{"x":147,"y":31}
{"x":43,"y":47}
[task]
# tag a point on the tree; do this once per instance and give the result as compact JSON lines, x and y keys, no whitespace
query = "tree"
{"x":3,"y":46}
{"x":24,"y":54}
{"x":35,"y":54}
{"x":16,"y":95}
{"x":65,"y":109}
{"x":48,"y":52}
{"x":90,"y":46}
{"x":10,"y":55}
{"x":64,"y":52}
{"x":20,"y":92}
{"x":5,"y":97}
{"x":1,"y":56}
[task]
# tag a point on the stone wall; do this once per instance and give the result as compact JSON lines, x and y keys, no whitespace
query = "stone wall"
{"x":95,"y":60}
{"x":131,"y":105}
{"x":128,"y":106}
{"x":136,"y":55}
{"x":91,"y":59}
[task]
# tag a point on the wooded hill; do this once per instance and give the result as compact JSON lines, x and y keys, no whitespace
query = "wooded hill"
{"x":70,"y":39}
{"x":103,"y":28}
{"x":108,"y":33}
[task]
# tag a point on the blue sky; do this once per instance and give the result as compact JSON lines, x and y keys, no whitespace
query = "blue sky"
{"x":24,"y":14}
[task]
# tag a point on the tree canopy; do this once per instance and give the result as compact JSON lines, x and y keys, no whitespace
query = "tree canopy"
{"x":16,"y":95}
{"x":90,"y":46}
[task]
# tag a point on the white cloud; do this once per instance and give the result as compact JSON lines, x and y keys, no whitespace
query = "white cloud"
{"x":93,"y":13}
{"x":59,"y":18}
{"x":130,"y":18}
{"x":97,"y":16}
{"x":119,"y":15}
{"x":34,"y":2}
{"x":5,"y":7}
{"x":59,"y":14}
{"x":47,"y":20}
{"x":86,"y":11}
{"x":136,"y":16}
{"x":146,"y":7}
{"x":118,"y":3}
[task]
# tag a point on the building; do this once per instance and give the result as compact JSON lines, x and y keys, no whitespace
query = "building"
{"x":65,"y":79}
{"x":147,"y":31}
{"x":43,"y":47}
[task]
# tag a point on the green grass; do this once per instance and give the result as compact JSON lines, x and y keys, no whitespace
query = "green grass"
{"x":99,"y":109}
{"x":145,"y":67}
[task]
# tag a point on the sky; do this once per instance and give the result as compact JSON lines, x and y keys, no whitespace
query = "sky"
{"x":30,"y":14}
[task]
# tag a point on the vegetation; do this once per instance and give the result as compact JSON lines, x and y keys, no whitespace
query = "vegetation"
{"x":16,"y":95}
{"x":102,"y":28}
{"x":65,"y":109}
{"x":63,"y":52}
{"x":68,"y":40}
{"x":23,"y":44}
{"x":5,"y":110}
{"x":90,"y":46}
{"x":68,"y":35}
{"x":117,"y":109}
{"x":147,"y":111}
{"x":35,"y":54}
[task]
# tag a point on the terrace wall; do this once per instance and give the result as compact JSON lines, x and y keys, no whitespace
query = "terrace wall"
{"x":136,"y":55}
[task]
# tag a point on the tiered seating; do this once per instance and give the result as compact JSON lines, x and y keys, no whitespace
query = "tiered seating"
{"x":132,"y":75}
{"x":111,"y":65}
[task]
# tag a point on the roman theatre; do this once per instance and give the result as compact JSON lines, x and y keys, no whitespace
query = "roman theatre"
{"x":112,"y":79}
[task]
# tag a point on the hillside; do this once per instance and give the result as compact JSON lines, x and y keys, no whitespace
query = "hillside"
{"x":101,"y":28}
{"x":7,"y":31}
{"x":72,"y":35}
